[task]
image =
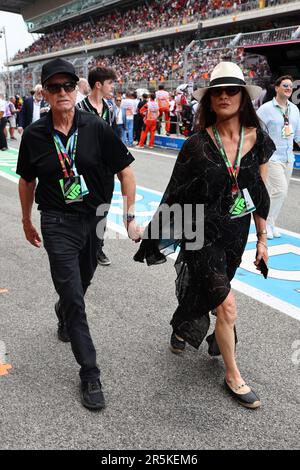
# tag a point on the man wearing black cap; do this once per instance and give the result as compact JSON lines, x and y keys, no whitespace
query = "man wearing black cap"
{"x":74,"y":155}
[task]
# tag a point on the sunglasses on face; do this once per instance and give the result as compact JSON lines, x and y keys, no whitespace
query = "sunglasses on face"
{"x":56,"y":87}
{"x":229,"y":90}
{"x":287,"y":86}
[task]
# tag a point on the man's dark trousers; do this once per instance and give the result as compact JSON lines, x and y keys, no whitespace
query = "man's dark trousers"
{"x":3,"y":142}
{"x":70,"y":241}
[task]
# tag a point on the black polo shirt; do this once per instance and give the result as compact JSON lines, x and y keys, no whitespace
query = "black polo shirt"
{"x":100,"y":155}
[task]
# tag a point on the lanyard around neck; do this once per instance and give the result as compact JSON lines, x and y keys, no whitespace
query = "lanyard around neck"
{"x":233,"y":170}
{"x":66,"y":154}
{"x":285,"y":113}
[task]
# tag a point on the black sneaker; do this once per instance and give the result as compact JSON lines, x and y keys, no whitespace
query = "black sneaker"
{"x":62,"y":331}
{"x":177,"y":346}
{"x":102,"y":259}
{"x":91,"y":395}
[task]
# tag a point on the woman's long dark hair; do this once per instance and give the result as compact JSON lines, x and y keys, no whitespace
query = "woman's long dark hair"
{"x":205,"y":117}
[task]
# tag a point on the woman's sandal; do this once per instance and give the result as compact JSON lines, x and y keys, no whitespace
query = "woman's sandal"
{"x":177,"y":346}
{"x":249,"y":400}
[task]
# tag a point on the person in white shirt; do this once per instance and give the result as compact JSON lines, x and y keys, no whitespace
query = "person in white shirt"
{"x":12,"y":118}
{"x":120,"y":130}
{"x":282,"y":122}
{"x":129,"y":105}
{"x":163,"y":101}
{"x":3,"y":142}
{"x":135,"y":116}
{"x":172,"y":115}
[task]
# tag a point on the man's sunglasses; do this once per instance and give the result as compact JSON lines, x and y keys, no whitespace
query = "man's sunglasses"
{"x":56,"y":87}
{"x":229,"y":90}
{"x":287,"y":86}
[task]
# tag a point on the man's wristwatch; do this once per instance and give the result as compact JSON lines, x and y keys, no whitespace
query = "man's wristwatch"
{"x":128,"y":217}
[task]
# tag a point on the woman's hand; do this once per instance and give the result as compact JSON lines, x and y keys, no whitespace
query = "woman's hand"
{"x":261,"y":252}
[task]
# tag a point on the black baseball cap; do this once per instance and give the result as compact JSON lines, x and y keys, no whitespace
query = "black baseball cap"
{"x":56,"y":66}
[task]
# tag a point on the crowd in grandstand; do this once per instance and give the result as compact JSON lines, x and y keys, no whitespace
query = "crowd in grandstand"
{"x":158,"y":64}
{"x":162,"y":64}
{"x":149,"y":16}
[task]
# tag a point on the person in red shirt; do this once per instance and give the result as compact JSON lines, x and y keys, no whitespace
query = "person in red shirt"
{"x":150,"y":111}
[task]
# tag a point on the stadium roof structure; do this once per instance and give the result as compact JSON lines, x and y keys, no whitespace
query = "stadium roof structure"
{"x":283,"y":57}
{"x":14,"y":6}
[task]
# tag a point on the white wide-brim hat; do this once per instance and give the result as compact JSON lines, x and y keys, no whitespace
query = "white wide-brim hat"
{"x":228,"y":74}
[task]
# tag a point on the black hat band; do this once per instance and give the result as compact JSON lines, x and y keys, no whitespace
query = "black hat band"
{"x":226,"y":80}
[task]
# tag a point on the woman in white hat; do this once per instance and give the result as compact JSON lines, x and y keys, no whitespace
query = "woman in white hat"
{"x":222,"y":166}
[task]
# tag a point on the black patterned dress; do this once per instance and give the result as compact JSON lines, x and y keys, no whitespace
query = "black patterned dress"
{"x":203,"y":279}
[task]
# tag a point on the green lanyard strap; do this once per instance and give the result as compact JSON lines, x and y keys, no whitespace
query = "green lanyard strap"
{"x":233,"y":170}
{"x":66,"y":154}
{"x":285,"y":114}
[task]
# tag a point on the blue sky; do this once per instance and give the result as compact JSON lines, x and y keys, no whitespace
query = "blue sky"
{"x":17,"y":36}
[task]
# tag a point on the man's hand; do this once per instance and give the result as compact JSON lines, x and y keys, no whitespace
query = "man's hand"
{"x":20,"y":130}
{"x":135,"y":232}
{"x":31,"y":234}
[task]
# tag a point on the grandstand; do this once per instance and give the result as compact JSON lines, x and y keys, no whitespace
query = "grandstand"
{"x":148,"y":42}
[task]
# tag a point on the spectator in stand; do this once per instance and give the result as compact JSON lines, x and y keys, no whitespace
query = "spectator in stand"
{"x":33,"y":109}
{"x":83,"y":89}
{"x":150,"y":111}
{"x":163,"y":101}
{"x":128,"y":104}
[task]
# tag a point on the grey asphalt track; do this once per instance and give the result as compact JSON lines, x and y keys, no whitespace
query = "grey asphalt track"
{"x":155,"y":400}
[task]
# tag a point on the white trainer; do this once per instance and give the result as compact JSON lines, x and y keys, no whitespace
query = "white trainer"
{"x":276,"y":233}
{"x":269,"y":232}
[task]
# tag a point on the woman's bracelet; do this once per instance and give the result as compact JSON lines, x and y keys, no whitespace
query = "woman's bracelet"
{"x":262,"y":232}
{"x":262,"y":243}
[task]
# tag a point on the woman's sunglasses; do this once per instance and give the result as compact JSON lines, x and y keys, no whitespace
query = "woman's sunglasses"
{"x":56,"y":87}
{"x":229,"y":90}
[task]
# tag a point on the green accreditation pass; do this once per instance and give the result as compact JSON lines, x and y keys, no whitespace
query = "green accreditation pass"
{"x":71,"y":189}
{"x":73,"y":185}
{"x":242,"y":202}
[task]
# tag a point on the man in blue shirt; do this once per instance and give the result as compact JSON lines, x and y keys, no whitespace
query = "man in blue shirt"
{"x":282,"y":122}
